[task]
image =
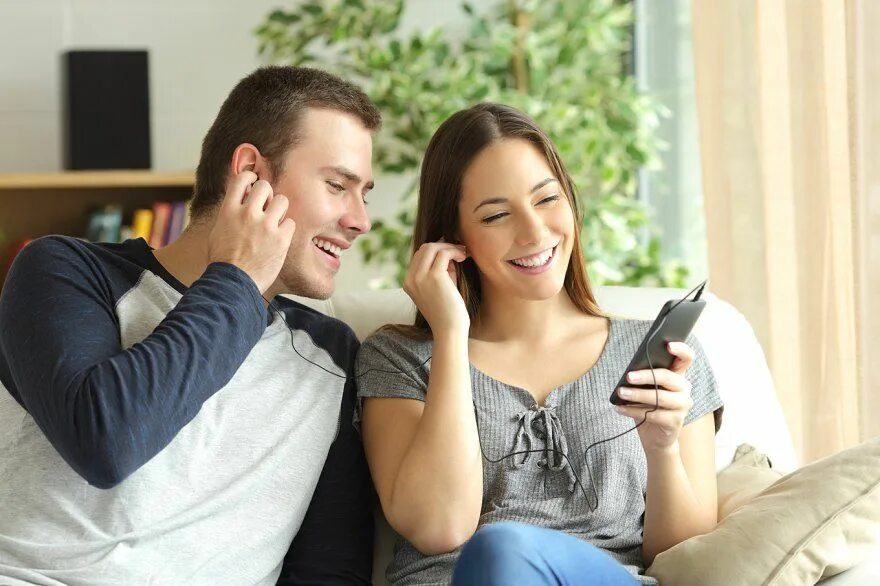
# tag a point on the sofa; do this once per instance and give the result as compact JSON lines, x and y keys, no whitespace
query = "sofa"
{"x":752,"y":415}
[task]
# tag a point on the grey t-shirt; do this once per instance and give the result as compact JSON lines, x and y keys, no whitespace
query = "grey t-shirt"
{"x":540,"y":488}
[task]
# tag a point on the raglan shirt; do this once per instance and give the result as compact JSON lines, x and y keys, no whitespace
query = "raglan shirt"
{"x":154,"y":433}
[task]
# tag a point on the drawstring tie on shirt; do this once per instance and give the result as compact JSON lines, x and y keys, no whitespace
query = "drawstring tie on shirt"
{"x":542,"y":423}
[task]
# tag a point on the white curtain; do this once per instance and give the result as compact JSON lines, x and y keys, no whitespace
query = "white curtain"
{"x":782,"y":88}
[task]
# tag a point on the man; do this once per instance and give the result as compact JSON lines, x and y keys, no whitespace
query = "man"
{"x":166,"y":423}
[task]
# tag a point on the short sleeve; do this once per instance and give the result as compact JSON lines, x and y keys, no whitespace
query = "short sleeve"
{"x":393,"y":364}
{"x":704,"y":389}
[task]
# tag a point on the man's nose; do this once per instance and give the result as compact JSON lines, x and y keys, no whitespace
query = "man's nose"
{"x":356,"y":218}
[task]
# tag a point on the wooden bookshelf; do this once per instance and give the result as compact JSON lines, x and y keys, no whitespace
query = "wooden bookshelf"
{"x":95,"y":180}
{"x":33,"y":205}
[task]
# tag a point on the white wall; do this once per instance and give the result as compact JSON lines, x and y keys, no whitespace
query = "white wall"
{"x":198,"y":50}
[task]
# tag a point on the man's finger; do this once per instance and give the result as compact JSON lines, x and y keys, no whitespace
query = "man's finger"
{"x":261,"y":193}
{"x":236,"y":189}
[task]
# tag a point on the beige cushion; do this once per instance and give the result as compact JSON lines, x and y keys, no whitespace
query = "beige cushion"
{"x":748,"y":475}
{"x":813,"y":523}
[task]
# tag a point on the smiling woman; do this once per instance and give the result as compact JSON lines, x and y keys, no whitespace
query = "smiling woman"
{"x":507,"y":329}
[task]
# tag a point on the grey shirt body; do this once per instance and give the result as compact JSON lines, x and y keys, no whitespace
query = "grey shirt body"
{"x":541,"y":488}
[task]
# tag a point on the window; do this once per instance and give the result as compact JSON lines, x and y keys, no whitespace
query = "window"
{"x":664,"y":70}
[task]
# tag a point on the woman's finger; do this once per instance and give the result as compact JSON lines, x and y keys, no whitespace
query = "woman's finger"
{"x":662,"y":399}
{"x":445,"y":256}
{"x":421,"y":262}
{"x":671,"y":381}
{"x":659,"y":417}
{"x":424,"y":258}
{"x":684,"y":356}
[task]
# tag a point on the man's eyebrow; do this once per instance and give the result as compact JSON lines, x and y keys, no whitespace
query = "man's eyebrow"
{"x":538,"y":186}
{"x":349,"y":175}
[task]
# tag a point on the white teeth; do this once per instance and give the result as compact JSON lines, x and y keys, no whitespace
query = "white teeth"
{"x":535,"y":261}
{"x":328,"y":246}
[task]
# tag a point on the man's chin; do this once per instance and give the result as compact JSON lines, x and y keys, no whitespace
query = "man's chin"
{"x":319,"y":295}
{"x":320,"y":289}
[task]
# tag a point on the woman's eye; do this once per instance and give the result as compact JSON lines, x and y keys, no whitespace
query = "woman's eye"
{"x":490,"y":219}
{"x":548,"y":199}
{"x":336,"y":187}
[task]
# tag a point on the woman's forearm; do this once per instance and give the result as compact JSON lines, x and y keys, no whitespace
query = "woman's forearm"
{"x":437,"y":494}
{"x":673,"y":512}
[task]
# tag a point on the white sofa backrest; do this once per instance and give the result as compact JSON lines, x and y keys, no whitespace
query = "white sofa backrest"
{"x":752,"y":412}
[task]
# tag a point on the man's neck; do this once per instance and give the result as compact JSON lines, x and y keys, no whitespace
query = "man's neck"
{"x":187,"y":257}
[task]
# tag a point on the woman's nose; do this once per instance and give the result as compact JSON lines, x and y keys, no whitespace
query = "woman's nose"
{"x":530,"y":229}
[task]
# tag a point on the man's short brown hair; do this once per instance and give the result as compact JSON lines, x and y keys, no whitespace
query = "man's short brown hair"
{"x":264,"y":109}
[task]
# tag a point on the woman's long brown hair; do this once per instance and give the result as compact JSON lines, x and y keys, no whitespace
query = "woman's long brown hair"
{"x":451,"y":150}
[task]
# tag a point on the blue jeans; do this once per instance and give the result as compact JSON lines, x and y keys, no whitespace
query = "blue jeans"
{"x":514,"y":553}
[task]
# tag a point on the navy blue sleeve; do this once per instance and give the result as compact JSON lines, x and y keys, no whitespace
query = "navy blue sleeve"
{"x":106,"y":410}
{"x":335,"y":542}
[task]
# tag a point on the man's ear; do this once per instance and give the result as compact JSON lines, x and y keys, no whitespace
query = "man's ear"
{"x":247,"y":157}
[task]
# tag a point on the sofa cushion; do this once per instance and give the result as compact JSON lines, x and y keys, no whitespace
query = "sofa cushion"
{"x":748,"y":475}
{"x":811,"y":524}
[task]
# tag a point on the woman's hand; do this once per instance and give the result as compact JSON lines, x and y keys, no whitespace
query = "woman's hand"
{"x":660,"y":431}
{"x":431,"y":284}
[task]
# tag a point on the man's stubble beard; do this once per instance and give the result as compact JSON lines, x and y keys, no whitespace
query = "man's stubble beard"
{"x":296,"y":278}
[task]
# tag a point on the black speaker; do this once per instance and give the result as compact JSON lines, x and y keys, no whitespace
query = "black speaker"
{"x":106,"y":110}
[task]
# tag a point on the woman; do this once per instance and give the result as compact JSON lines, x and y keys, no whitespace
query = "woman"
{"x":514,"y":335}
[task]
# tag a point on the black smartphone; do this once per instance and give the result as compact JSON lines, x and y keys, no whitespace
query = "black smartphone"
{"x":673,"y":324}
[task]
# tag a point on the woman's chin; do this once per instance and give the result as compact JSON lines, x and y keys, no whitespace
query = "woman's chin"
{"x":542,"y":291}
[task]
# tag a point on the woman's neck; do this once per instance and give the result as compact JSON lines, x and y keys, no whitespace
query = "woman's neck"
{"x":503,"y":318}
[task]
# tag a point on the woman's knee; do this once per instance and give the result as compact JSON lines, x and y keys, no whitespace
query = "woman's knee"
{"x":500,"y":553}
{"x":513,"y":553}
{"x":501,"y":540}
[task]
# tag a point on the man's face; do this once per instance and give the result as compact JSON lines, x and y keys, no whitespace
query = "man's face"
{"x":326,"y":176}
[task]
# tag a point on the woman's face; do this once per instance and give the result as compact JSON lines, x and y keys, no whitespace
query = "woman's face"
{"x":516,"y":221}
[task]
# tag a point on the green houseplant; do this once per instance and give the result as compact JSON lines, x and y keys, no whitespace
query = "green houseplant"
{"x":563,"y":62}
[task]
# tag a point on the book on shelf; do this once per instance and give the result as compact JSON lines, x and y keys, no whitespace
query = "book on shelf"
{"x":142,"y":223}
{"x":105,"y":224}
{"x":159,"y":225}
{"x":161,"y":220}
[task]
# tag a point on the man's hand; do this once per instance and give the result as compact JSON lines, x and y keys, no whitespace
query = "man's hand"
{"x":251,"y":230}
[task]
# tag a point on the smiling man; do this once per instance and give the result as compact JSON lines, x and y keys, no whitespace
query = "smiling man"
{"x":168,"y":418}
